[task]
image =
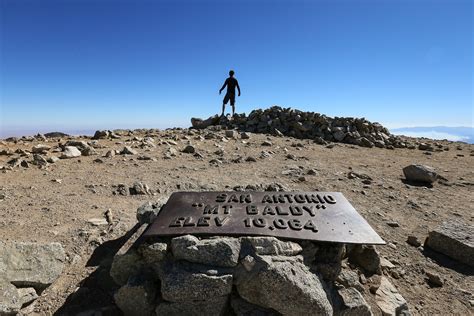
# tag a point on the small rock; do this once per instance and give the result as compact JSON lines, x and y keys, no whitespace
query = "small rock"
{"x":147,"y":212}
{"x":27,"y":295}
{"x":101,"y":134}
{"x":393,"y":224}
{"x":389,"y":300}
{"x":40,"y":149}
{"x":434,"y":279}
{"x":230,"y":133}
{"x":97,"y":221}
{"x":352,"y":303}
{"x":245,"y":135}
{"x":413,"y":240}
{"x":267,"y":143}
{"x":139,"y":188}
{"x":127,"y":150}
{"x":189,"y":149}
{"x":367,"y":257}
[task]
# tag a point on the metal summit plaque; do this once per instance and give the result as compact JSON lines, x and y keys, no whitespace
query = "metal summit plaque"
{"x":319,"y":216}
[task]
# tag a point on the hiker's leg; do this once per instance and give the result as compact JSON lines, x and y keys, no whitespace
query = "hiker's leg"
{"x":223,"y":109}
{"x":233,"y":109}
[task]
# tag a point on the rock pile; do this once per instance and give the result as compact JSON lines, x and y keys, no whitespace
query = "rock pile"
{"x":221,"y":275}
{"x":307,"y":125}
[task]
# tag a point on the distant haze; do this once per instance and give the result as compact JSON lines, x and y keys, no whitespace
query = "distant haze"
{"x":463,"y":134}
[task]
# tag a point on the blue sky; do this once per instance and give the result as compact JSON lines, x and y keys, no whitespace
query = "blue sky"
{"x":78,"y":65}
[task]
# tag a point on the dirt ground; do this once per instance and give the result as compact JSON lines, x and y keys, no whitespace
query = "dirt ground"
{"x":55,"y":203}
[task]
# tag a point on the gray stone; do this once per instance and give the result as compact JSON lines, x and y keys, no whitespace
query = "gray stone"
{"x":153,"y":253}
{"x":413,"y":240}
{"x":127,"y":150}
{"x":455,"y":239}
{"x":230,"y":133}
{"x":27,"y":295}
{"x":285,"y":285}
{"x":243,"y":308}
{"x":180,"y":285}
{"x":434,"y":279}
{"x":339,"y":135}
{"x":220,"y":251}
{"x":88,"y":151}
{"x":10,"y":300}
{"x":124,"y":266}
{"x":52,"y":159}
{"x":101,"y":134}
{"x":70,"y":152}
{"x":27,"y":264}
{"x":137,"y":297}
{"x":389,"y":300}
{"x":245,"y":135}
{"x":212,"y":306}
{"x":147,"y":212}
{"x":420,"y":173}
{"x":39,"y":160}
{"x":366,"y":257}
{"x":328,"y":259}
{"x":352,"y":303}
{"x":139,"y":188}
{"x":272,"y":246}
{"x":349,"y":278}
{"x":40,"y":149}
{"x":189,"y":149}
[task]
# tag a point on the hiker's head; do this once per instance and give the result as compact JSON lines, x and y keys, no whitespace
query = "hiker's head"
{"x":231,"y":73}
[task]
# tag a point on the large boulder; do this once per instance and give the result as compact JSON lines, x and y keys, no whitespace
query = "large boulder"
{"x":219,"y":251}
{"x":27,"y":264}
{"x":420,"y":174}
{"x":284,"y":284}
{"x":454,"y":239}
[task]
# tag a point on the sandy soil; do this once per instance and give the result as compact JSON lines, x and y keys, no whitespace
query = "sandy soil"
{"x":56,"y":202}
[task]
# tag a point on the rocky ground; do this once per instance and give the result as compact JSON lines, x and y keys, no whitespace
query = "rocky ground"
{"x":88,"y":201}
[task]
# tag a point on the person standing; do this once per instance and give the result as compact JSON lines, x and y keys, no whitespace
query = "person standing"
{"x":231,"y":84}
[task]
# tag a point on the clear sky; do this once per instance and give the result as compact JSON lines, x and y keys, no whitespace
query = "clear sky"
{"x":80,"y":65}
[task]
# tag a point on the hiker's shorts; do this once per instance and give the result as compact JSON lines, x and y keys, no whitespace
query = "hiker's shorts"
{"x":231,"y":97}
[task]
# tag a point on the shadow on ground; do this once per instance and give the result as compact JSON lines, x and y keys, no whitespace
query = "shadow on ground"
{"x":447,"y":262}
{"x":95,"y":293}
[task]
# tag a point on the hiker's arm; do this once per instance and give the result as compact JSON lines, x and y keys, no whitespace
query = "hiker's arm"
{"x":238,"y":87}
{"x":223,"y":86}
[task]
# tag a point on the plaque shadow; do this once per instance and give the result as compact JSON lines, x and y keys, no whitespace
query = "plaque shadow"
{"x":95,"y":292}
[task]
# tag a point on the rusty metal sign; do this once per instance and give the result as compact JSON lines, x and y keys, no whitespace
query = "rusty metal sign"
{"x":320,"y":216}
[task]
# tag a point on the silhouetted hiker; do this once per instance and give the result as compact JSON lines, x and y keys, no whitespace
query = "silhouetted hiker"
{"x":231,"y":83}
